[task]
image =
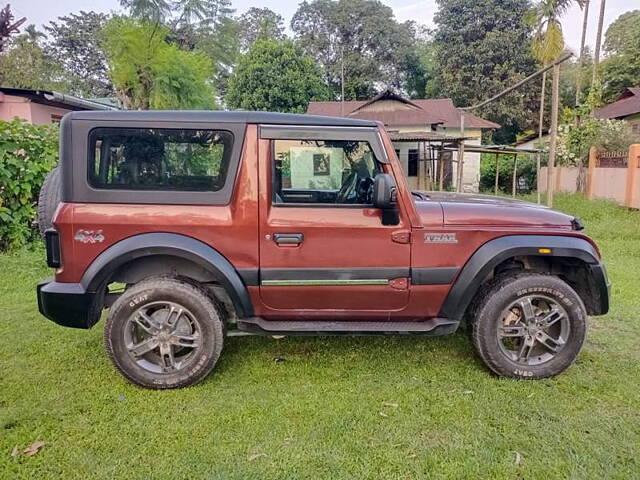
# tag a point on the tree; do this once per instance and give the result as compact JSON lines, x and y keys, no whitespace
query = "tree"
{"x":74,"y":44}
{"x":275,"y":76}
{"x":148,"y":72}
{"x":596,"y":55}
{"x":621,"y":68}
{"x":7,"y":26}
{"x":583,"y":38}
{"x":420,"y":68}
{"x":548,"y":44}
{"x":25,"y":64}
{"x":362,"y":35}
{"x":259,"y":24}
{"x":482,"y":47}
{"x":205,"y":25}
{"x":148,"y":10}
{"x":570,"y":72}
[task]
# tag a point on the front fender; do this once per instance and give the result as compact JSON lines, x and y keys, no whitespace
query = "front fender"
{"x":496,"y":251}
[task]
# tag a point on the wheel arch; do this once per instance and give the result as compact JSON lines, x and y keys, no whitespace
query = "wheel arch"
{"x":574,"y":259}
{"x":188,"y":256}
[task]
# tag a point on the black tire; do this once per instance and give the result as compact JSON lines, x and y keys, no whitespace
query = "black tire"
{"x":48,"y":199}
{"x":514,"y":347}
{"x":200,"y":319}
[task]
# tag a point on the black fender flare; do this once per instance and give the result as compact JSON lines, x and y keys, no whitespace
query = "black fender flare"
{"x":182,"y":246}
{"x":495,"y":251}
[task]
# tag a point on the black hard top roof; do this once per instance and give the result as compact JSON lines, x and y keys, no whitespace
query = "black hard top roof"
{"x":173,"y":116}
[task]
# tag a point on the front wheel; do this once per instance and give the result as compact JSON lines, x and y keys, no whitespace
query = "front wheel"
{"x":529,"y":326}
{"x":164,"y":333}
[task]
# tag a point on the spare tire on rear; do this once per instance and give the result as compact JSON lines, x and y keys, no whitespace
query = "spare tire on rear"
{"x":49,"y":198}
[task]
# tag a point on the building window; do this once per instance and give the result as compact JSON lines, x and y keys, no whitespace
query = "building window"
{"x":412,"y":164}
{"x":56,"y":118}
{"x":398,"y":153}
{"x":635,"y":128}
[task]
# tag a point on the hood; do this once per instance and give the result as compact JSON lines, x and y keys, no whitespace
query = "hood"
{"x":464,"y":209}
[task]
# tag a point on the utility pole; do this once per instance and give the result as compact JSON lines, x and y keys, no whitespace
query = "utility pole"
{"x":461,"y":153}
{"x":540,"y":125}
{"x":553,"y":134}
{"x":342,"y":79}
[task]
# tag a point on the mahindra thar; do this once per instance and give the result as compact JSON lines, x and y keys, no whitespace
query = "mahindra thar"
{"x":187,"y":226}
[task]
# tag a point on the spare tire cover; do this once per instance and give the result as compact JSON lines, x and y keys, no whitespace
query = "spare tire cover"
{"x":49,"y":198}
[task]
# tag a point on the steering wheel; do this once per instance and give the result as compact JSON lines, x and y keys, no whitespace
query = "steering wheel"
{"x":365,"y":190}
{"x":347,"y":188}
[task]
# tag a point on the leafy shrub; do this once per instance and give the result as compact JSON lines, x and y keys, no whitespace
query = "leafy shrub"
{"x":525,"y":176}
{"x":575,"y":138}
{"x":574,"y":141}
{"x":27,"y":153}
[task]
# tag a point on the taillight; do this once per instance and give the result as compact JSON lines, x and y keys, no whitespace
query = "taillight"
{"x":52,"y":243}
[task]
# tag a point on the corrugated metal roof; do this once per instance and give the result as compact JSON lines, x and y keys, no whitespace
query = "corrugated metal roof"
{"x":50,"y":97}
{"x":430,"y":111}
{"x":627,"y":104}
{"x":424,"y":137}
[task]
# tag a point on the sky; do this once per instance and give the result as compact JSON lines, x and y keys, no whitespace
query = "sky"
{"x":42,"y":11}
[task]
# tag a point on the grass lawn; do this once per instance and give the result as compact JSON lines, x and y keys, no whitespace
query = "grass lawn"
{"x":367,"y":407}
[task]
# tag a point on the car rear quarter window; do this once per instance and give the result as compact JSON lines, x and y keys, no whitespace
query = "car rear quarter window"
{"x":191,"y":160}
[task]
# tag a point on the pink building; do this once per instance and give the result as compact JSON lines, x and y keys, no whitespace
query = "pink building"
{"x":42,"y":106}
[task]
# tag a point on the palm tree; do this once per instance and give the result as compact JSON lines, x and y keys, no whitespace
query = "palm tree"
{"x":596,"y":54}
{"x":8,"y":26}
{"x":585,"y":20}
{"x":548,"y":44}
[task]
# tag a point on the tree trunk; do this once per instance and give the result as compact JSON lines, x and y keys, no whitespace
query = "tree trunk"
{"x":581,"y":180}
{"x":596,"y":55}
{"x":585,"y":19}
{"x":495,"y":190}
{"x":540,"y":128}
{"x":553,"y":134}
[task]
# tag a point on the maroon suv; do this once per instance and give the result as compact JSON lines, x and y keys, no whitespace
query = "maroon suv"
{"x":189,"y":225}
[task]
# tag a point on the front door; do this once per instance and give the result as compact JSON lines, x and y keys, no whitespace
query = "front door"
{"x":324,"y":252}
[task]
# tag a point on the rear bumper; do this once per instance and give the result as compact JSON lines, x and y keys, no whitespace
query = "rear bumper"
{"x":66,"y":304}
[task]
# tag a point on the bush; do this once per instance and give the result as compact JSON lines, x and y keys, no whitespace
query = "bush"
{"x":526,"y":174}
{"x":27,"y":153}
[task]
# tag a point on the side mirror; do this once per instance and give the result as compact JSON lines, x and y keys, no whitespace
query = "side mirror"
{"x":384,"y":197}
{"x":384,"y":191}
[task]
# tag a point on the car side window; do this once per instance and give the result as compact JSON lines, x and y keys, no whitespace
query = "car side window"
{"x":327,"y":172}
{"x":159,"y":159}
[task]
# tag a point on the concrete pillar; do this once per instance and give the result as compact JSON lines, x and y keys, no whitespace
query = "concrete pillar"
{"x":631,"y":192}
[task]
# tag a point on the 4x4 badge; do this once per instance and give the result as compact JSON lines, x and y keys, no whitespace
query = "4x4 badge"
{"x":440,"y":238}
{"x":89,"y":236}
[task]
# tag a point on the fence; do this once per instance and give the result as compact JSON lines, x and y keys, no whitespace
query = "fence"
{"x":610,"y":175}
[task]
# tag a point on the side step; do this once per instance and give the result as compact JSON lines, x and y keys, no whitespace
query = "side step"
{"x":432,"y":327}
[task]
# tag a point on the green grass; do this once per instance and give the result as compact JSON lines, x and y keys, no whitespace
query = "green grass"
{"x":325,"y":412}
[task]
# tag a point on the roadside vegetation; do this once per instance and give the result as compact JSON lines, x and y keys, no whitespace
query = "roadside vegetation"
{"x":336,"y":407}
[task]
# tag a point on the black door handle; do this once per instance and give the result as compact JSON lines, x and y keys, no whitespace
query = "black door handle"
{"x":288,"y":238}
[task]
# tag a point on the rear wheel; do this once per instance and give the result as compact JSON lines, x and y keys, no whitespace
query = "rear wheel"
{"x":529,"y":326}
{"x":164,"y":333}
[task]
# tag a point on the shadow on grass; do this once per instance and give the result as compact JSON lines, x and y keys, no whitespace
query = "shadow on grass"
{"x":371,"y":354}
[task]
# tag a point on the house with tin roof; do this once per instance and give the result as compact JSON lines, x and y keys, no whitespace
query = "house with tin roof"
{"x":423,"y":132}
{"x":626,"y":107}
{"x":43,"y":106}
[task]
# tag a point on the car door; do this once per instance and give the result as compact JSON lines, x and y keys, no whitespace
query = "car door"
{"x":324,"y":251}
